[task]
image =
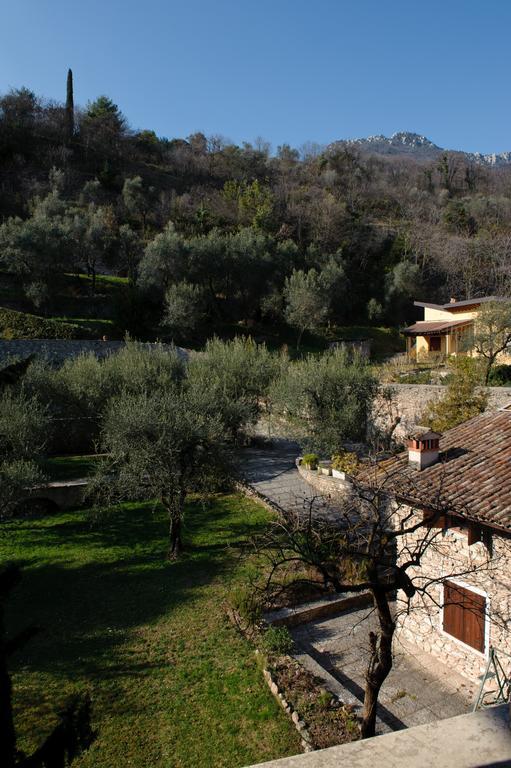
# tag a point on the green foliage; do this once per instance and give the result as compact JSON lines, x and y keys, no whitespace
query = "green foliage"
{"x":345,"y":461}
{"x":374,"y":310}
{"x":492,"y":333}
{"x":463,"y":399}
{"x":306,"y":303}
{"x":246,"y":603}
{"x":236,"y":377}
{"x":310,"y":460}
{"x":21,"y":325}
{"x":184,"y":308}
{"x":277,"y":640}
{"x":325,"y":399}
{"x":500,"y":376}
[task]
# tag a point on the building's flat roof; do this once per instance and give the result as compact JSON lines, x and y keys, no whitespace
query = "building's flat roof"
{"x":436,"y":328}
{"x":452,"y":305}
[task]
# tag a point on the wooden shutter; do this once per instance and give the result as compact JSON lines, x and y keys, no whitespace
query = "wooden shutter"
{"x":464,"y":615}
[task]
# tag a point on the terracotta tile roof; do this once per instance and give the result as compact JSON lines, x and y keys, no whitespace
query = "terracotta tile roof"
{"x":471,"y":478}
{"x":439,"y":326}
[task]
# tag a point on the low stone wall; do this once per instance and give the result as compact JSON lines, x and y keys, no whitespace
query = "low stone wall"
{"x":330,"y":487}
{"x":408,"y":402}
{"x":58,"y":350}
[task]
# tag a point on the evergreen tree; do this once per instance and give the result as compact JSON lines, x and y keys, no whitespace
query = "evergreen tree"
{"x":70,"y":106}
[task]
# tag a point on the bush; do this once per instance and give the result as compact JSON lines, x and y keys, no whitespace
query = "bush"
{"x":310,"y":460}
{"x":277,"y":640}
{"x":244,"y":601}
{"x":500,"y":376}
{"x":344,"y":461}
{"x":20,"y":325}
{"x":463,"y":398}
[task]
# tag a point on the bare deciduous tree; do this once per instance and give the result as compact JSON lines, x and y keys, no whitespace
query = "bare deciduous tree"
{"x":373,"y":545}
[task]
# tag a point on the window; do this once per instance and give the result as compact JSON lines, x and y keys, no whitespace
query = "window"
{"x":464,"y":615}
{"x":435,"y":344}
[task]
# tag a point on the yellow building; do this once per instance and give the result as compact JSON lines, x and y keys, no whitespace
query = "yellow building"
{"x":446,"y":328}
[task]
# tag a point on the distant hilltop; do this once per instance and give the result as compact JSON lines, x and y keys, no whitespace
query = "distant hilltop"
{"x":416,"y":146}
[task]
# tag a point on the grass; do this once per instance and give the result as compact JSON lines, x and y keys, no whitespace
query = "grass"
{"x":68,"y":467}
{"x":173,"y":685}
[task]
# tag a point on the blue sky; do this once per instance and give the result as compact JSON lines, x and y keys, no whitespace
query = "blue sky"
{"x":288,"y":70}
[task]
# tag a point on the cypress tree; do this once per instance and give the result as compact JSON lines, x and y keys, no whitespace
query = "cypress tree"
{"x":70,"y":107}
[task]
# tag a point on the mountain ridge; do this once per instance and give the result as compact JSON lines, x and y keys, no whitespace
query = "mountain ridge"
{"x":418,"y":146}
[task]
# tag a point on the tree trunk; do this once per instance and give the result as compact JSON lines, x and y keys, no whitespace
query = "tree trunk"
{"x":175,"y":510}
{"x":175,"y":541}
{"x":380,"y":662}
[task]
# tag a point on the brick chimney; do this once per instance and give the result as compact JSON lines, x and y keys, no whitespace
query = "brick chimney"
{"x":423,"y":447}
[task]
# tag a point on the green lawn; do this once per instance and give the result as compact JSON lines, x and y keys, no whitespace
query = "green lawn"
{"x":68,"y":467}
{"x":172,"y":683}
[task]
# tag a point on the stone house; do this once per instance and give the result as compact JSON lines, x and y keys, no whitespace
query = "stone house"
{"x":446,"y":328}
{"x":458,"y":486}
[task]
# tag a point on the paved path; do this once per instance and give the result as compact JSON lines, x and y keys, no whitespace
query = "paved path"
{"x":419,"y":689}
{"x":272,"y":472}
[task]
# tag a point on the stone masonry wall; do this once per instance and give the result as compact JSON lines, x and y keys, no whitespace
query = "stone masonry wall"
{"x":409,"y":401}
{"x":330,"y":487}
{"x":58,"y":350}
{"x":451,"y":557}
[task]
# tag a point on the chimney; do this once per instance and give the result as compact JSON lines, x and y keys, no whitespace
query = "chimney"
{"x":423,"y":448}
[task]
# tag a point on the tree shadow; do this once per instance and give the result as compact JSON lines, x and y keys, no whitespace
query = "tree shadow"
{"x":87,"y":609}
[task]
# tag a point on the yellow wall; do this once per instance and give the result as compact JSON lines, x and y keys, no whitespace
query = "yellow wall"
{"x":434,"y":315}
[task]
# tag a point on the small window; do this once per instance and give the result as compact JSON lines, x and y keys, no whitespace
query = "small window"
{"x":464,"y":615}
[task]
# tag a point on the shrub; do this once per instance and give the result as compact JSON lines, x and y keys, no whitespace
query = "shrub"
{"x":310,"y":460}
{"x":344,"y":461}
{"x":20,"y":325}
{"x":463,"y":398}
{"x":500,"y":376}
{"x":244,"y":601}
{"x":277,"y":640}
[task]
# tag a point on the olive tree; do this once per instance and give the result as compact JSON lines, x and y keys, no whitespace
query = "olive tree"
{"x":492,"y":333}
{"x":306,"y":302}
{"x":325,"y":399}
{"x":23,"y":436}
{"x":161,"y":445}
{"x":184,"y":307}
{"x":237,"y":375}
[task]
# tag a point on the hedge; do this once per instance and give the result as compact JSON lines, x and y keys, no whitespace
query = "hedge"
{"x":20,"y":325}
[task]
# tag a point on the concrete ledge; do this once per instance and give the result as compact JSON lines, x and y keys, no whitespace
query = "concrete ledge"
{"x":320,"y":609}
{"x":479,"y":739}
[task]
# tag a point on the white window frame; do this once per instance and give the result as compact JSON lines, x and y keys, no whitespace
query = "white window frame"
{"x":481,"y":593}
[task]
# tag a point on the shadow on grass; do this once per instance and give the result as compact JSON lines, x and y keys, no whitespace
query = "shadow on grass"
{"x":87,"y":587}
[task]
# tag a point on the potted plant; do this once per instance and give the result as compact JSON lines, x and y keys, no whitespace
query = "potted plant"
{"x":344,"y":463}
{"x":310,"y":461}
{"x":325,"y":468}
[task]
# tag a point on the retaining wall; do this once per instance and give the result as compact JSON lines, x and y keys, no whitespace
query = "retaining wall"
{"x":409,"y":401}
{"x":58,"y":350}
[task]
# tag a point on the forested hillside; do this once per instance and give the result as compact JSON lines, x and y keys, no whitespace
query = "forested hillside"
{"x":196,"y":234}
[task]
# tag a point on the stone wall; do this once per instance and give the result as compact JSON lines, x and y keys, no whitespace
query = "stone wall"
{"x":450,"y":557}
{"x":329,"y":487}
{"x":408,"y":402}
{"x":58,"y":350}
